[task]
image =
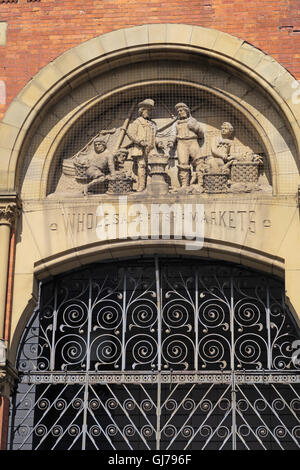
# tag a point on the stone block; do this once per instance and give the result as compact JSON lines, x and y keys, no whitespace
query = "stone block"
{"x":287,"y":87}
{"x":68,"y":62}
{"x":204,"y":37}
{"x":48,"y":76}
{"x":179,"y":33}
{"x":113,"y":41}
{"x":248,"y":55}
{"x":90,"y":50}
{"x":157,"y":33}
{"x":269,"y":69}
{"x":227,"y":44}
{"x":8,"y":136}
{"x":17,"y":114}
{"x":31,"y":94}
{"x":137,"y":36}
{"x":3,"y":30}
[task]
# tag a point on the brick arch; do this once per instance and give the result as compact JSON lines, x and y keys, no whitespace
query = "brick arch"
{"x":105,"y":51}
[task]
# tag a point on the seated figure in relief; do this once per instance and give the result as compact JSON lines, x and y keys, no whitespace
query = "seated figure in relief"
{"x":96,"y":164}
{"x":222,"y":150}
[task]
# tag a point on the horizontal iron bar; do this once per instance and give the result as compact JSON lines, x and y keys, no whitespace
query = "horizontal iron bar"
{"x":154,"y":377}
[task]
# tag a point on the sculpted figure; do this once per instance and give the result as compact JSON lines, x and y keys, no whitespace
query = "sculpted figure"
{"x":98,"y":163}
{"x":221,"y":150}
{"x":142,"y":133}
{"x":120,"y":157}
{"x":188,"y":131}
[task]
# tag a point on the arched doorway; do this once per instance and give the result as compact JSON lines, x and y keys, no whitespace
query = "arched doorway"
{"x":158,"y":353}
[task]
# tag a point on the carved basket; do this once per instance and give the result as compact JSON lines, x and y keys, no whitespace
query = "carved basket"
{"x":215,"y":182}
{"x":244,"y":172}
{"x":68,"y":168}
{"x":120,"y":186}
{"x":80,"y":170}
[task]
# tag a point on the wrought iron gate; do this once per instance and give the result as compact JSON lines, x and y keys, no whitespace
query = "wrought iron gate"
{"x":158,"y":354}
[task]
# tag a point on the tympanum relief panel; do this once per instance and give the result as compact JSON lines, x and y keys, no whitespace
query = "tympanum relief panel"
{"x":161,"y":144}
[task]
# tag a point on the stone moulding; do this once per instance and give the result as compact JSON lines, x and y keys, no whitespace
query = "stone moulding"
{"x":77,"y":63}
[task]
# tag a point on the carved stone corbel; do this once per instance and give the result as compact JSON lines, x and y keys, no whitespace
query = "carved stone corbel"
{"x":8,"y":374}
{"x":9,"y":209}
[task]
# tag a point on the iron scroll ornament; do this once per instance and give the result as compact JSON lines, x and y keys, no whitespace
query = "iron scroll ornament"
{"x":179,"y":316}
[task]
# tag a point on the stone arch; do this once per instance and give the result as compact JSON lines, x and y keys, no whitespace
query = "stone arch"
{"x":139,"y":45}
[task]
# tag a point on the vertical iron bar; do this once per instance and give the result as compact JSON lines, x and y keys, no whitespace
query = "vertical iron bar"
{"x":233,"y":401}
{"x":124,"y":321}
{"x":85,"y":410}
{"x":232,"y":324}
{"x":52,"y":352}
{"x":269,"y":355}
{"x":233,"y":392}
{"x":196,"y":322}
{"x":159,"y":331}
{"x":89,"y":326}
{"x":88,"y":360}
{"x":159,"y":326}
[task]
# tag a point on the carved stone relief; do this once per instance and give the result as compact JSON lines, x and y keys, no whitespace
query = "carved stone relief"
{"x":140,"y":155}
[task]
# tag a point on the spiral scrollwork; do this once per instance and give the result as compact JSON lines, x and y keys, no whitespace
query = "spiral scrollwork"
{"x":129,"y":404}
{"x":188,"y":404}
{"x":111,"y":404}
{"x":247,"y":314}
{"x":214,"y":313}
{"x":262,"y":432}
{"x":223,"y":432}
{"x":260,"y":405}
{"x":214,"y":349}
{"x":95,"y":431}
{"x":73,"y":350}
{"x":129,"y":430}
{"x":57,"y":431}
{"x":111,"y":430}
{"x":143,"y":313}
{"x":41,"y":430}
{"x":74,"y":314}
{"x":206,"y":406}
{"x":77,"y":403}
{"x":244,"y":430}
{"x":107,"y":314}
{"x":143,"y":349}
{"x":147,"y":405}
{"x":178,"y":350}
{"x":280,"y":432}
{"x":176,"y":313}
{"x":147,"y":431}
{"x":94,"y":404}
{"x":106,"y":349}
{"x":60,"y":404}
{"x":250,"y":350}
{"x":171,"y":404}
{"x":205,"y":431}
{"x":43,"y":404}
{"x":188,"y":432}
{"x":74,"y":430}
{"x":170,"y":431}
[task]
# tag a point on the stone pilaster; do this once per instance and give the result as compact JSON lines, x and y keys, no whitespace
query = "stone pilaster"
{"x":9,"y":208}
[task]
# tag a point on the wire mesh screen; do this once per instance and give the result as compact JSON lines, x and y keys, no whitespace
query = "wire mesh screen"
{"x":207,"y":109}
{"x":121,"y":109}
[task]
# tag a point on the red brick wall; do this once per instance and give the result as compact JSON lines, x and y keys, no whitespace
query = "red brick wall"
{"x":39,"y":31}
